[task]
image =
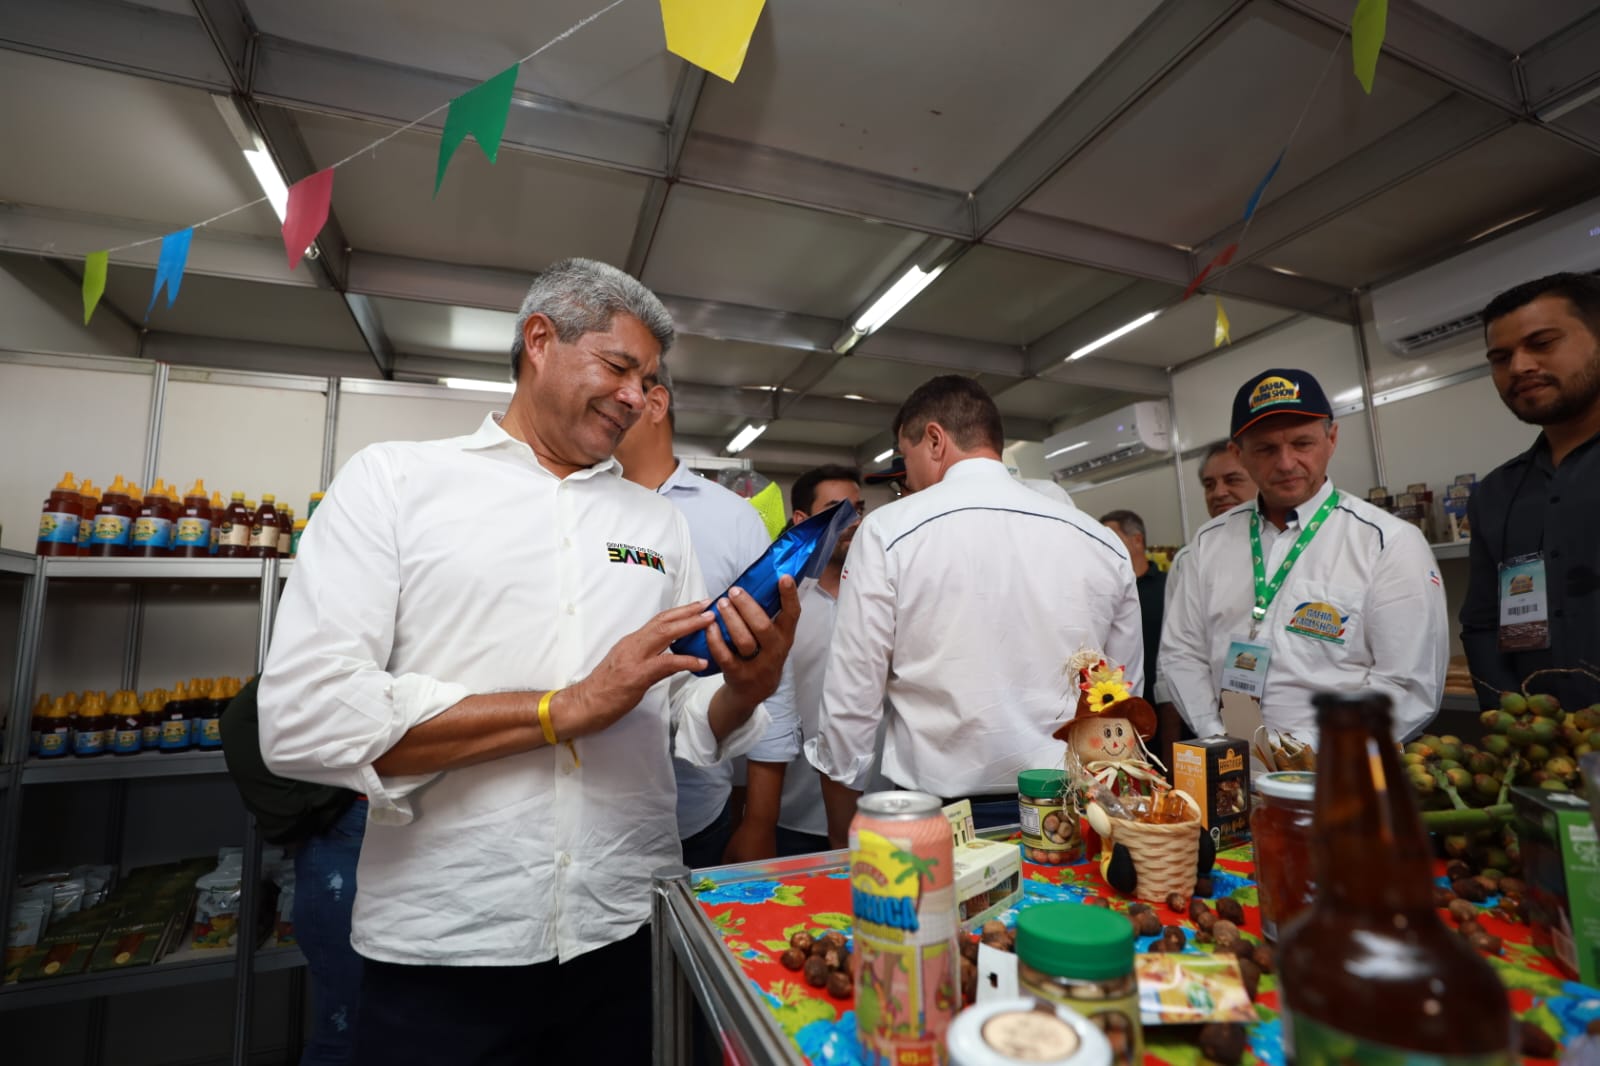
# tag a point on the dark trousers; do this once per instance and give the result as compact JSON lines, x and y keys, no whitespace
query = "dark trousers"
{"x":705,"y":848}
{"x":594,"y":1009}
{"x":793,"y":842}
{"x":324,"y":893}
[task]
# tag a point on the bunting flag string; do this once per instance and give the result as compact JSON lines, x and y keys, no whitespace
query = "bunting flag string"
{"x":169,"y":266}
{"x":306,"y":213}
{"x":1224,"y":330}
{"x":1368,"y":26}
{"x":481,"y":112}
{"x":712,"y":34}
{"x":94,"y":282}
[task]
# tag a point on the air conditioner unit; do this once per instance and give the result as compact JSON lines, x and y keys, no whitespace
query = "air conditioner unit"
{"x":1136,"y":430}
{"x":1431,"y":307}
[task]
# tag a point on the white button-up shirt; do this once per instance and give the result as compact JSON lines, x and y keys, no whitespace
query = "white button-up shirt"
{"x":728,"y":535}
{"x":1374,"y":570}
{"x":796,"y":707}
{"x":443,"y":568}
{"x":962,"y":603}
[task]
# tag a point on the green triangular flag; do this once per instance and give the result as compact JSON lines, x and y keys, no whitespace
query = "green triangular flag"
{"x":94,"y":282}
{"x":480,"y":111}
{"x":1367,"y":28}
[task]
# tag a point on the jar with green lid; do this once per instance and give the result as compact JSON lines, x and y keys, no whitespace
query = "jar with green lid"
{"x":1049,"y":818}
{"x":1082,"y":958}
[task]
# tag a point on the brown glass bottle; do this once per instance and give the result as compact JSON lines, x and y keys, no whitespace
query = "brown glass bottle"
{"x":264,"y":529}
{"x":235,"y":529}
{"x":1370,"y":970}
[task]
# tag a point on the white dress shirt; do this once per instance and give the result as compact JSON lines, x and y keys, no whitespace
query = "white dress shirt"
{"x":962,"y":603}
{"x":795,"y":709}
{"x":1375,"y":570}
{"x":444,"y":568}
{"x":728,"y":535}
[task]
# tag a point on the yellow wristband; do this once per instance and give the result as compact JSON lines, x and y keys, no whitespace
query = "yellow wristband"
{"x":549,"y":729}
{"x":544,"y":717}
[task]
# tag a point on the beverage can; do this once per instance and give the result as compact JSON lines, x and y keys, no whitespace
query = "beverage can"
{"x":905,"y":958}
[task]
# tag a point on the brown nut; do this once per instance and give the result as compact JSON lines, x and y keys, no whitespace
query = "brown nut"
{"x":1096,"y":901}
{"x":836,"y":938}
{"x":1174,"y":935}
{"x":1263,"y":958}
{"x":1197,"y":908}
{"x":1536,"y":1043}
{"x":1252,"y":977}
{"x":969,"y":980}
{"x":816,"y":972}
{"x":840,"y":985}
{"x":1222,"y":1042}
{"x":1243,"y":949}
{"x":1487,"y":943}
{"x":1203,"y":887}
{"x":803,"y":941}
{"x":969,"y":949}
{"x":1230,"y":909}
{"x":1470,"y":888}
{"x":1226,"y":934}
{"x":1510,"y":886}
{"x":992,"y":928}
{"x":793,"y":959}
{"x":1137,"y":908}
{"x":1177,"y":902}
{"x":1442,"y":896}
{"x":1462,"y":911}
{"x":1456,"y":869}
{"x":1206,"y":920}
{"x":1490,"y":885}
{"x":1146,"y":923}
{"x":834,"y":959}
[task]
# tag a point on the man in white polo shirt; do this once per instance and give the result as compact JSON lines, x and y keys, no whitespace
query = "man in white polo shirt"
{"x":961,"y":604}
{"x":1305,"y":589}
{"x":475,"y":636}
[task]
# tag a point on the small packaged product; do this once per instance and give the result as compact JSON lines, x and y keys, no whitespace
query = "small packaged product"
{"x":216,"y":908}
{"x":799,"y":552}
{"x":23,"y":931}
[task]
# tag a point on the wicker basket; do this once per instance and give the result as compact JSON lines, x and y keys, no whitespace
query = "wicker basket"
{"x":1166,"y":856}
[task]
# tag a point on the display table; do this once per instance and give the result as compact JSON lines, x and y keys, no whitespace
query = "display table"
{"x":719,"y":933}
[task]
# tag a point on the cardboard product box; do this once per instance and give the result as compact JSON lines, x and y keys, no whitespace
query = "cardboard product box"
{"x":1561,"y":865}
{"x":66,"y":946}
{"x":1457,"y":526}
{"x":988,"y":873}
{"x":131,"y":940}
{"x":1423,"y":496}
{"x":1379,"y":497}
{"x":1216,"y":772}
{"x":1408,"y":508}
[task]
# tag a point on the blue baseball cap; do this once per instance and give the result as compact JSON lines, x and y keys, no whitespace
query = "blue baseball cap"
{"x":1278,"y":392}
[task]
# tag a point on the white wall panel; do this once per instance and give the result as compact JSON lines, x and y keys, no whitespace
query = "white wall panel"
{"x":1151,"y":494}
{"x":44,"y":313}
{"x":1456,"y":430}
{"x":243,"y":439}
{"x":367,"y":419}
{"x":52,"y":419}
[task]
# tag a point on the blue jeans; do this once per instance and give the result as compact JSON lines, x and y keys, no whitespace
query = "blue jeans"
{"x":324,"y":894}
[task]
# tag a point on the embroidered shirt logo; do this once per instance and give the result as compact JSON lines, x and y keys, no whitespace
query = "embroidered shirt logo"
{"x":632,"y":553}
{"x":1323,"y":621}
{"x":1272,"y":391}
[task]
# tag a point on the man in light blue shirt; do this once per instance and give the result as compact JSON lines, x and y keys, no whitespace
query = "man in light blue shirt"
{"x":728,"y":535}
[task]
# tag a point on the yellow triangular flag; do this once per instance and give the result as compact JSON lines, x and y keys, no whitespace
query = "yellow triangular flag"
{"x":94,"y":282}
{"x":712,"y":34}
{"x":769,"y":505}
{"x":1224,"y":332}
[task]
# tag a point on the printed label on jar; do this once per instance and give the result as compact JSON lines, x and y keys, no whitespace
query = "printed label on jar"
{"x":174,"y":734}
{"x":84,"y":529}
{"x":89,"y":742}
{"x":127,"y":741}
{"x":1307,"y":1042}
{"x":52,"y":744}
{"x":208,"y":732}
{"x":111,"y":529}
{"x":264,"y":537}
{"x":155,"y":532}
{"x":193,"y":532}
{"x":1117,"y":1017}
{"x":58,"y":527}
{"x":150,"y":736}
{"x":235,"y":535}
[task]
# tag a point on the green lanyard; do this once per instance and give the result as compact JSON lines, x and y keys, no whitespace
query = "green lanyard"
{"x":1266,"y":590}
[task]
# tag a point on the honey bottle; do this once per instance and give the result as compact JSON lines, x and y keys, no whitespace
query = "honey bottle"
{"x":127,"y":725}
{"x":39,"y":722}
{"x":91,"y":503}
{"x":219,"y":511}
{"x":285,"y":532}
{"x":89,"y":726}
{"x":208,"y":724}
{"x":61,"y":518}
{"x":152,"y":529}
{"x":294,"y":541}
{"x":191,"y":537}
{"x":234,"y":541}
{"x":316,"y":501}
{"x":113,"y":521}
{"x":175,"y":725}
{"x":264,"y":529}
{"x":55,"y":739}
{"x":151,"y":714}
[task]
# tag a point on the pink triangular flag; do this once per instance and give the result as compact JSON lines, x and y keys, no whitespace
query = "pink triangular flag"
{"x":306,"y":213}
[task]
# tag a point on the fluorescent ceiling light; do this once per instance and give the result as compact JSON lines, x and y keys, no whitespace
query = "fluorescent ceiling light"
{"x":266,"y":172}
{"x":744,"y":437}
{"x":898,"y":295}
{"x":1498,"y":226}
{"x":1113,"y":335}
{"x":1068,"y":448}
{"x":1285,"y":271}
{"x":881,"y":456}
{"x":853,"y":396}
{"x":478,"y":385}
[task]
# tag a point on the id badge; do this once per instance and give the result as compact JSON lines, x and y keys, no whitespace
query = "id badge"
{"x":1244,"y":669}
{"x":1524,"y":604}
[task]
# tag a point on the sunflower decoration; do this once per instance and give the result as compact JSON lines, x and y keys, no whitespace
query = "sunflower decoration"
{"x":1103,"y":686}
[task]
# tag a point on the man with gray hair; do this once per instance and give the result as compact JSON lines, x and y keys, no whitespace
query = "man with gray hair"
{"x":474,"y":637}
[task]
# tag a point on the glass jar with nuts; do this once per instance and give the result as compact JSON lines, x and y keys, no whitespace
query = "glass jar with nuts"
{"x":1082,"y":958}
{"x":1049,"y":818}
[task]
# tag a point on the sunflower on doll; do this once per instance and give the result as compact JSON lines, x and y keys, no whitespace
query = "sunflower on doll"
{"x":1114,"y":776}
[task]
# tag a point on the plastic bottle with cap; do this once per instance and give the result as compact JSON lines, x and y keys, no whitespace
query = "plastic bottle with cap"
{"x":191,"y":536}
{"x":316,"y":501}
{"x":127,"y":726}
{"x":113,"y":521}
{"x":89,"y":726}
{"x":219,"y":512}
{"x":152,"y":529}
{"x":235,"y":538}
{"x":91,"y":503}
{"x":299,"y":531}
{"x":152,"y":712}
{"x":55,"y":739}
{"x":286,"y":522}
{"x":60,"y":519}
{"x":41,"y":717}
{"x":264,"y":529}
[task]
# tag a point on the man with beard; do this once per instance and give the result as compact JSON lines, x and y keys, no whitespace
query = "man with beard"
{"x":784,"y":814}
{"x":1536,"y":519}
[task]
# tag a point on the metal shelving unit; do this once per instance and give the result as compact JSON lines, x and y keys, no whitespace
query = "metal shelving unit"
{"x":18,"y":772}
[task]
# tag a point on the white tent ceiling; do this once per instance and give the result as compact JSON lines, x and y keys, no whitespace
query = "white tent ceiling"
{"x":1078,"y":161}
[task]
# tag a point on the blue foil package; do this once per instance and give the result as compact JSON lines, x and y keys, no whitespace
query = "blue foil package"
{"x":800,"y":551}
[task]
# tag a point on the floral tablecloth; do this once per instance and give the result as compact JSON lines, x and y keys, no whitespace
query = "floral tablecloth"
{"x":757,"y":917}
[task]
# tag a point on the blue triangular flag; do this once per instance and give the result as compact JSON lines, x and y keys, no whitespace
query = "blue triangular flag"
{"x":169,"y":268}
{"x":1255,"y":197}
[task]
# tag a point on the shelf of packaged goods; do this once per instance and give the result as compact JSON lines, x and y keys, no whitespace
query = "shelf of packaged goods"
{"x":14,"y":562}
{"x":1456,"y":549}
{"x":115,"y":767}
{"x":181,"y":968}
{"x":107,"y":569}
{"x":272,"y":959}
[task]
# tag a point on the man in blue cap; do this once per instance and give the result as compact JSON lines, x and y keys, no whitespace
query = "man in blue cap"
{"x":1303,"y":588}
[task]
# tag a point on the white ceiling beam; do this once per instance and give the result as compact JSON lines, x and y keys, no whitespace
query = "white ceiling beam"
{"x":1163,"y":42}
{"x":227,"y":353}
{"x":1560,"y":73}
{"x":768,"y":455}
{"x":115,"y":36}
{"x":685,"y":99}
{"x":947,"y":353}
{"x":1450,"y":126}
{"x":1424,"y":41}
